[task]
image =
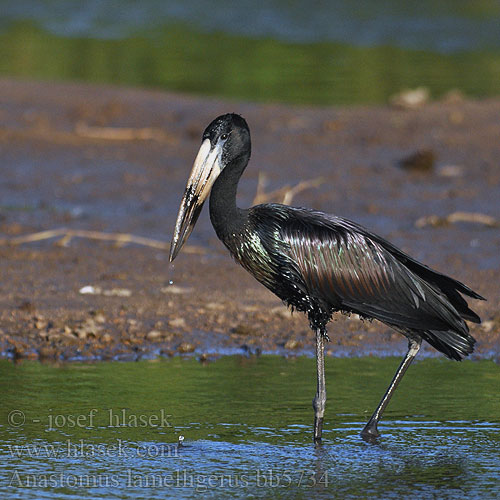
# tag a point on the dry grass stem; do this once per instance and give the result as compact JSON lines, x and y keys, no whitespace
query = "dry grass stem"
{"x":284,"y":194}
{"x":121,"y":133}
{"x":120,"y":239}
{"x":453,"y":218}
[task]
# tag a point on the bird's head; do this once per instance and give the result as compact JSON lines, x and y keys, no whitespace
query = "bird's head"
{"x":224,"y":142}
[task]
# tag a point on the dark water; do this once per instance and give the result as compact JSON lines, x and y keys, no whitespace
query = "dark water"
{"x":328,"y":52}
{"x":109,"y":430}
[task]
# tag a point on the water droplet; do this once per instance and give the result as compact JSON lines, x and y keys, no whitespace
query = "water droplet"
{"x":170,"y":274}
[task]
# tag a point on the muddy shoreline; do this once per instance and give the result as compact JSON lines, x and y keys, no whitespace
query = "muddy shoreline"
{"x":114,"y":160}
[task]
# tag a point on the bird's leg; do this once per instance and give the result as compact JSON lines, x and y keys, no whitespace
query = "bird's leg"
{"x":370,"y":431}
{"x":319,"y":400}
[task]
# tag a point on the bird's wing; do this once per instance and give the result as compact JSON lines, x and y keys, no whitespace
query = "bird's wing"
{"x":448,"y":286}
{"x":348,"y":269}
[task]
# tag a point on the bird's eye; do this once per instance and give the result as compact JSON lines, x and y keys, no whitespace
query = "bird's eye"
{"x":223,"y":137}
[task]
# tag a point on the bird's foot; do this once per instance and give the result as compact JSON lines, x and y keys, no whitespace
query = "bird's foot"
{"x":318,"y":430}
{"x":370,"y":433}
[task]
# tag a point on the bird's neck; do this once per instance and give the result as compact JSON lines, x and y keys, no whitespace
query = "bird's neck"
{"x":226,"y":217}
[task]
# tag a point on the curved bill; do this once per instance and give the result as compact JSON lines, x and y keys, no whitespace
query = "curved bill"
{"x":206,"y":169}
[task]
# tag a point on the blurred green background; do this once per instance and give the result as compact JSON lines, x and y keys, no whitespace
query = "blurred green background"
{"x":307,"y":52}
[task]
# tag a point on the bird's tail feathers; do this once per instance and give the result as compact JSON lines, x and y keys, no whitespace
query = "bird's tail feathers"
{"x":455,"y":345}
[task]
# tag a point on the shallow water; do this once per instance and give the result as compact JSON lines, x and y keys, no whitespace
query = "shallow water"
{"x":109,"y":430}
{"x":285,"y":51}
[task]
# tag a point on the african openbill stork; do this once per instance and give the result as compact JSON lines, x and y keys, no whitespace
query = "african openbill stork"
{"x":319,"y":263}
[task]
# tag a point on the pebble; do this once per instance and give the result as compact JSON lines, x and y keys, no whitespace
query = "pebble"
{"x":185,"y":347}
{"x":410,"y":98}
{"x":40,"y":324}
{"x":100,"y":318}
{"x":90,"y":290}
{"x":177,"y":323}
{"x":87,"y":329}
{"x":81,"y":333}
{"x":154,"y":335}
{"x":293,"y":344}
{"x":487,"y":326}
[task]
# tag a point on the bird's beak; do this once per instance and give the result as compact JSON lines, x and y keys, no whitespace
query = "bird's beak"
{"x":206,"y":169}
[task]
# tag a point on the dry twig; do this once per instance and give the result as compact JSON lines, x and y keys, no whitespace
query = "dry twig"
{"x":477,"y":218}
{"x":66,"y":235}
{"x":121,"y":133}
{"x":285,"y":193}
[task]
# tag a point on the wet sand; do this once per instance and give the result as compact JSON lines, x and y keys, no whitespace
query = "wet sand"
{"x":113,"y":160}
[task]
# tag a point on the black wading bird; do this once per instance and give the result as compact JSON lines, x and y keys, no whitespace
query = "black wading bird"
{"x":319,"y":263}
